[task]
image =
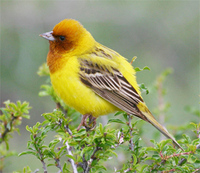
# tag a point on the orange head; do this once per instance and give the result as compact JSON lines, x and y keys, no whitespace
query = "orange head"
{"x":66,"y":36}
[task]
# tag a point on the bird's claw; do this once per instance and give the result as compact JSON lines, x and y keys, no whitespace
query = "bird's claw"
{"x":88,"y":125}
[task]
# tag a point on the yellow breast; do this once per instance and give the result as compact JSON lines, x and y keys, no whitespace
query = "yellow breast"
{"x":67,"y":84}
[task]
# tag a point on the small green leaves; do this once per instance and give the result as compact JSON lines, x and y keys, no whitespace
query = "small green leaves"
{"x":56,"y":141}
{"x":11,"y":118}
{"x":137,"y":69}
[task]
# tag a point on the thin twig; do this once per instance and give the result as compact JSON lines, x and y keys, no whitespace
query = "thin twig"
{"x":196,"y":170}
{"x":69,"y":150}
{"x":86,"y":164}
{"x":120,"y":137}
{"x":177,"y":155}
{"x":7,"y":130}
{"x":183,"y":159}
{"x":71,"y":160}
{"x":198,"y":146}
{"x":58,"y":165}
{"x":131,"y":134}
{"x":37,"y":170}
{"x":171,"y":170}
{"x":59,"y":106}
{"x":127,"y":170}
{"x":68,"y":130}
{"x":41,"y":159}
{"x":44,"y":166}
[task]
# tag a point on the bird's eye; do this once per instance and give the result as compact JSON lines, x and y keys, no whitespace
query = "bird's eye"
{"x":61,"y":38}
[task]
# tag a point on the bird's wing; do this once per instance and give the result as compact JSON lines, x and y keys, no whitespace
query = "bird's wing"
{"x":112,"y":86}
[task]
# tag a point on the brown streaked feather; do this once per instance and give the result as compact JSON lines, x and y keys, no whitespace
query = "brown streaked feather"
{"x":112,"y":86}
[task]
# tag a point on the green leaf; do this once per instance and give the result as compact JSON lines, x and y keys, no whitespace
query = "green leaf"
{"x":80,"y":132}
{"x":150,"y":149}
{"x":7,"y":115}
{"x":119,"y":113}
{"x":27,"y":152}
{"x":164,"y":143}
{"x":111,"y":151}
{"x":14,"y":106}
{"x":150,"y":158}
{"x":26,"y":116}
{"x":70,"y":156}
{"x":139,"y":69}
{"x":116,"y":121}
{"x":146,"y":68}
{"x":134,"y":159}
{"x":143,"y":168}
{"x":125,"y":115}
{"x":101,"y":128}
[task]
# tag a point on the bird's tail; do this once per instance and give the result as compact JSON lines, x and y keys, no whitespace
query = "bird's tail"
{"x":150,"y":118}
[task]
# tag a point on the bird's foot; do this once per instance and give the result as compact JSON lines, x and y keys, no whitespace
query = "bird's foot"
{"x":88,"y":125}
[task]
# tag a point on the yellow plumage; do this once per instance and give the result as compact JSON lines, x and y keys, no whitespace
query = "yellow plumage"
{"x":92,"y":78}
{"x":74,"y":93}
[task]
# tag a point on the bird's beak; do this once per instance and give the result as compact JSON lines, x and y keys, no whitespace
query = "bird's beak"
{"x":48,"y":36}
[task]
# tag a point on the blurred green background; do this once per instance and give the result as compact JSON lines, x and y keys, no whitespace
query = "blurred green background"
{"x":161,"y":34}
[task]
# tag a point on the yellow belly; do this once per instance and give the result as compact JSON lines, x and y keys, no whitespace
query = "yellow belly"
{"x":73,"y":92}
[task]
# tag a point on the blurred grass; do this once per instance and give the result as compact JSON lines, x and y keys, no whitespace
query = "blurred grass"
{"x":161,"y":34}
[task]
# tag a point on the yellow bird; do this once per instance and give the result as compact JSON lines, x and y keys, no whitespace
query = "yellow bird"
{"x":92,"y":78}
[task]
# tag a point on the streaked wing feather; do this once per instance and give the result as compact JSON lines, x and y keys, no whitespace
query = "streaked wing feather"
{"x":112,"y":86}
